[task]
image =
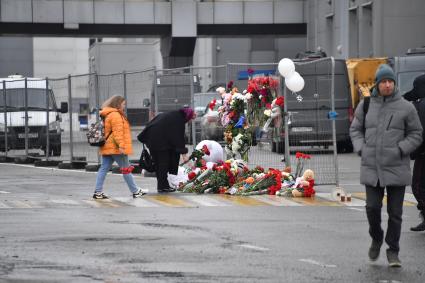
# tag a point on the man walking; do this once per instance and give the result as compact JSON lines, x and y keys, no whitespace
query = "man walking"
{"x":417,"y":95}
{"x":384,"y":137}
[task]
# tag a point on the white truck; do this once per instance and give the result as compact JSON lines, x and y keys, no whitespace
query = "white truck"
{"x":25,"y":117}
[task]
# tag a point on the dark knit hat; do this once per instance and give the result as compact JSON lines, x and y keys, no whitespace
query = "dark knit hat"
{"x":188,"y":113}
{"x":384,"y":72}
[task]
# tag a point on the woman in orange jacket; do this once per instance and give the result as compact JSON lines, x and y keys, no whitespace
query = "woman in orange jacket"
{"x":117,"y":147}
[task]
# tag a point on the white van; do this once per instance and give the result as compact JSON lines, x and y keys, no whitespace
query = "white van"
{"x":32,"y":113}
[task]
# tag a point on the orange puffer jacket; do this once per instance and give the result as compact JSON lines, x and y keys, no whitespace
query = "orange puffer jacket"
{"x":120,"y":136}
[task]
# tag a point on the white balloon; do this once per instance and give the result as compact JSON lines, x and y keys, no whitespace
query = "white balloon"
{"x":216,"y":151}
{"x":286,"y":67}
{"x":295,"y":83}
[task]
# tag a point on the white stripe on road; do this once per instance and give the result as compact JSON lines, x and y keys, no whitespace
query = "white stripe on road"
{"x":19,"y":204}
{"x":356,"y":209}
{"x":4,"y":192}
{"x":205,"y":200}
{"x":65,"y":201}
{"x":276,"y":200}
{"x":410,"y":197}
{"x":137,"y":202}
{"x":312,"y":261}
{"x":252,"y":247}
{"x":3,"y":205}
{"x":353,"y":202}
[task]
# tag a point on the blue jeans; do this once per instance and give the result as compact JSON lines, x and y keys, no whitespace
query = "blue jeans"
{"x":107,"y":161}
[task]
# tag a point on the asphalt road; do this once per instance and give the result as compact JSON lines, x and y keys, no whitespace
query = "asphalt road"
{"x":51,"y":231}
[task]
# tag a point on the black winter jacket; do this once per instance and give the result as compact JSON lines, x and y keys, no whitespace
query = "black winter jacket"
{"x":417,"y":95}
{"x":165,"y":132}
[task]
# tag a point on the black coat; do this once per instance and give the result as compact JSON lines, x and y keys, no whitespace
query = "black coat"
{"x":417,"y":95}
{"x":165,"y":132}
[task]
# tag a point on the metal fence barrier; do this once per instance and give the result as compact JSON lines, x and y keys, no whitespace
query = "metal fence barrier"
{"x":62,"y":136}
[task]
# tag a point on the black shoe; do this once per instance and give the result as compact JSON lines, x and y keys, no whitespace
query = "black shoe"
{"x":419,"y":228}
{"x":166,"y":190}
{"x":100,"y":196}
{"x":374,"y":250}
{"x":393,"y":260}
{"x":140,"y":192}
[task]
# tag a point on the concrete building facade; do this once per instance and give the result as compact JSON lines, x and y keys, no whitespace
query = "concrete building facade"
{"x":364,"y":28}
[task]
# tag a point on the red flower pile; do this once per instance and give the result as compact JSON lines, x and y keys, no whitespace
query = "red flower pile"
{"x":278,"y":177}
{"x":127,"y":170}
{"x":212,"y":104}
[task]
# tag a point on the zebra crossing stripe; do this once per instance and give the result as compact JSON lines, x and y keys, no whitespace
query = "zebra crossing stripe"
{"x":204,"y":200}
{"x":3,"y":205}
{"x":137,"y":202}
{"x":65,"y":202}
{"x":18,"y":204}
{"x":169,"y":201}
{"x":104,"y":203}
{"x":242,"y":200}
{"x":384,"y":202}
{"x":276,"y":200}
{"x":410,"y":198}
{"x":315,"y":201}
{"x":353,"y":202}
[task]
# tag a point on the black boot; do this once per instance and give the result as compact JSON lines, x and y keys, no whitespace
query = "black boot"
{"x":421,"y":226}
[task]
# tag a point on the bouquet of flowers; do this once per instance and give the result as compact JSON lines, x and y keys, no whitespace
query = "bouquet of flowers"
{"x":197,"y":155}
{"x":240,"y":144}
{"x":274,"y":113}
{"x":261,"y":91}
{"x":301,"y":157}
{"x":258,"y":183}
{"x":197,"y":184}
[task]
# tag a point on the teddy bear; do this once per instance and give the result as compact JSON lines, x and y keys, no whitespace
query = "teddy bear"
{"x":304,"y":185}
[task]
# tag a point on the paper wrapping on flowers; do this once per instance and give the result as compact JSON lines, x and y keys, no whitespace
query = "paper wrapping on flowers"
{"x":180,"y":178}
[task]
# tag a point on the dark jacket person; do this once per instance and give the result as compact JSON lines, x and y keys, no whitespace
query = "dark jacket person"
{"x":417,"y":95}
{"x":392,"y":132}
{"x":164,"y":136}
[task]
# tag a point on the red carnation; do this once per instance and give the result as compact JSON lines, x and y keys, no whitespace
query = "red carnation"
{"x":205,"y":149}
{"x":250,"y":71}
{"x":259,"y":168}
{"x":230,"y":84}
{"x":212,"y":104}
{"x":127,"y":170}
{"x":279,"y":101}
{"x":273,"y":83}
{"x":191,"y":175}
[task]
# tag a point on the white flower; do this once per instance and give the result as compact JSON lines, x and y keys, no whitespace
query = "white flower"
{"x":268,"y":112}
{"x":248,"y":96}
{"x":244,"y":92}
{"x":220,"y":89}
{"x":260,"y":96}
{"x":238,"y":96}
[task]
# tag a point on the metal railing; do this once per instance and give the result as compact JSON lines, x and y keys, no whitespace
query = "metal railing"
{"x":62,"y":136}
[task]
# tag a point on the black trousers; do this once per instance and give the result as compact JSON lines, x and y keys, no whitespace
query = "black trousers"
{"x":395,"y":198}
{"x":166,"y":162}
{"x":418,"y":182}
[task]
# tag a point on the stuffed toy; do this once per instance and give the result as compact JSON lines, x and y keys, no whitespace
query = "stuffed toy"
{"x":216,"y":151}
{"x":304,"y":185}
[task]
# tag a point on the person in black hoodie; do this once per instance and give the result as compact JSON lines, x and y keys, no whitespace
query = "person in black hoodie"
{"x":417,"y":95}
{"x":164,"y":136}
